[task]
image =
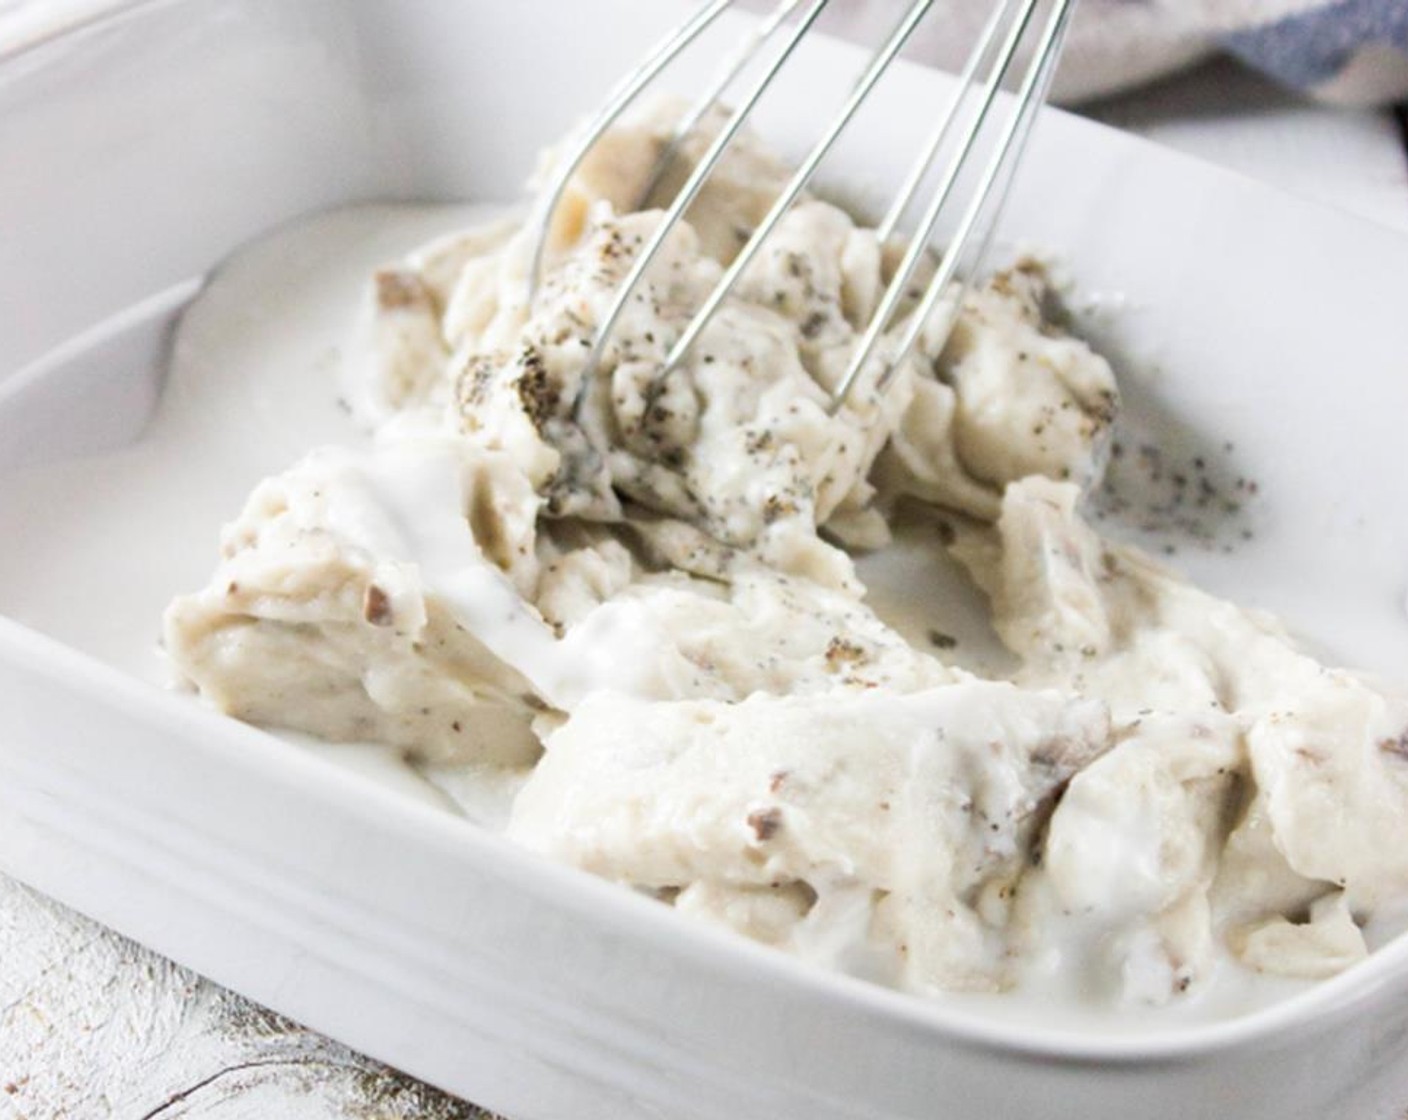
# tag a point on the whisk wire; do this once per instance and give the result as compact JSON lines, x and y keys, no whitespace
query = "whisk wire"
{"x":998,"y":45}
{"x":803,"y":175}
{"x":736,"y":63}
{"x":987,"y":197}
{"x":898,"y":287}
{"x":978,"y":57}
{"x":620,"y":98}
{"x":694,"y":184}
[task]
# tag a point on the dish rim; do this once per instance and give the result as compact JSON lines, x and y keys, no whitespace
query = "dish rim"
{"x":632,"y":914}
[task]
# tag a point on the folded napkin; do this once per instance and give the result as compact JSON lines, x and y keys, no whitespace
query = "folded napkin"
{"x":1352,"y":51}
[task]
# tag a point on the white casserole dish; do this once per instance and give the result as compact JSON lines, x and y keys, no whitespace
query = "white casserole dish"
{"x":137,"y":147}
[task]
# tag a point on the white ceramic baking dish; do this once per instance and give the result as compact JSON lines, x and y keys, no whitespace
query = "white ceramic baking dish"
{"x":141,"y":142}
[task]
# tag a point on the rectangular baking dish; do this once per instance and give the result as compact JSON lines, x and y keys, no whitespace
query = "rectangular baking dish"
{"x":142,"y":141}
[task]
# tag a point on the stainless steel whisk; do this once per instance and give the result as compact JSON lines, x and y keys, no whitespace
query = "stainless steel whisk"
{"x":987,"y":66}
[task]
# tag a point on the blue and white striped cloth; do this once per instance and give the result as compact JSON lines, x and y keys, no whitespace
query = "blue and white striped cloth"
{"x":1340,"y":50}
{"x":1349,"y":49}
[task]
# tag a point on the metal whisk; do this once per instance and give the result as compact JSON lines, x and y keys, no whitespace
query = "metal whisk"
{"x":987,"y":67}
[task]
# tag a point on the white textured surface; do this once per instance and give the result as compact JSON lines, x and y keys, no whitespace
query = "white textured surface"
{"x":92,"y":1026}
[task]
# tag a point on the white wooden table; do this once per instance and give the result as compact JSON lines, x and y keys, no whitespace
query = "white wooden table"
{"x":93,"y":1027}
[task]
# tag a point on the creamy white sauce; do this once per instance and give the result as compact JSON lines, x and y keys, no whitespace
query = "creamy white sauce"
{"x":414,"y":514}
{"x":97,"y":543}
{"x":254,"y":382}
